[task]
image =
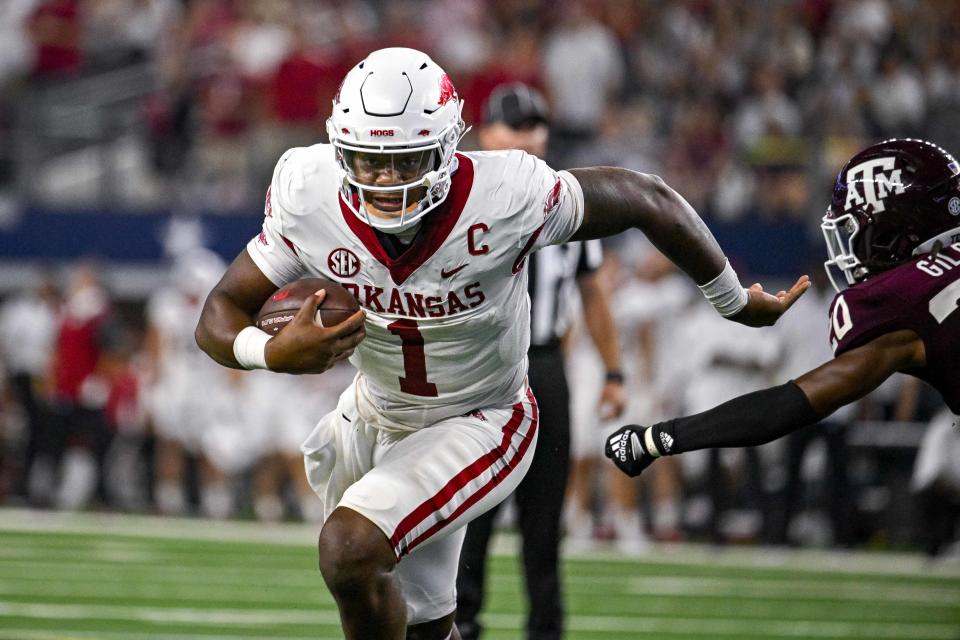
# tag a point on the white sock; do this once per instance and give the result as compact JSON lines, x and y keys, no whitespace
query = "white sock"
{"x":79,"y":479}
{"x":311,"y":508}
{"x":578,"y":521}
{"x":216,"y":502}
{"x":666,"y":515}
{"x":631,"y":538}
{"x":170,"y":499}
{"x":268,"y":508}
{"x":627,"y":524}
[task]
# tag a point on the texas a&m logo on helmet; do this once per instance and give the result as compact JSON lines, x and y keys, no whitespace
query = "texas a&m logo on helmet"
{"x":870,"y":182}
{"x":892,"y":201}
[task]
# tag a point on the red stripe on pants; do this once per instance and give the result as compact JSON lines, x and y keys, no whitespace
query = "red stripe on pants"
{"x":462,"y":479}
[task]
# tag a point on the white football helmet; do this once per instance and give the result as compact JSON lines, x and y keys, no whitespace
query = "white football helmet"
{"x":395,"y":127}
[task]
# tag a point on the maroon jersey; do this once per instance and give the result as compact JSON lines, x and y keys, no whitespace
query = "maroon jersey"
{"x":920,"y":295}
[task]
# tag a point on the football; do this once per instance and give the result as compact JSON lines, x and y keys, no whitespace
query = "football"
{"x":282,"y":306}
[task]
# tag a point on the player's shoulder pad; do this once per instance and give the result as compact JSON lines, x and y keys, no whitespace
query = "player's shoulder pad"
{"x":512,"y":167}
{"x":513,"y":178}
{"x":301,"y":175}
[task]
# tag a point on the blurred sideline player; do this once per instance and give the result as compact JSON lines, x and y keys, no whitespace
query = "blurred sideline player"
{"x":645,"y":296}
{"x":28,"y":328}
{"x":439,"y":425}
{"x":893,"y":230}
{"x":79,"y":436}
{"x":292,"y":419}
{"x":179,"y":375}
{"x":936,"y":484}
{"x":793,"y":524}
{"x":515,"y":117}
{"x":720,"y":361}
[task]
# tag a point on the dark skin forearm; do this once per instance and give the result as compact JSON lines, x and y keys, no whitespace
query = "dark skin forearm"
{"x":302,"y":346}
{"x":230,"y":307}
{"x":618,"y":199}
{"x":763,"y":416}
{"x":856,"y":373}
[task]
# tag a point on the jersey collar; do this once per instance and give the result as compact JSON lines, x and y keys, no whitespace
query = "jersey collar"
{"x":435,"y":230}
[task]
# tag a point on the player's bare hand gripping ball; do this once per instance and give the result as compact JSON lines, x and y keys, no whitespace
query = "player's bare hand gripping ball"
{"x":302,"y":346}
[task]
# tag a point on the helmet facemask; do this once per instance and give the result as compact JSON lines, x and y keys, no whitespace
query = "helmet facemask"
{"x":859,"y":244}
{"x":840,"y":234}
{"x":391,"y":187}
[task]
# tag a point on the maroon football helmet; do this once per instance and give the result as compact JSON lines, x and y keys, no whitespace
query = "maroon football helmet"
{"x":891,"y":201}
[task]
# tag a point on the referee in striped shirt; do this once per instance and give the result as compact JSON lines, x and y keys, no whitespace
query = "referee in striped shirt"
{"x":515,"y":117}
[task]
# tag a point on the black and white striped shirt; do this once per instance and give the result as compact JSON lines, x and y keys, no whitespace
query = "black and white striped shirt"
{"x":553,"y":273}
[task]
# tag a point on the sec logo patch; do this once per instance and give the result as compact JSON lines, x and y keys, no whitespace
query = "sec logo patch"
{"x":953,"y":206}
{"x":343,"y":263}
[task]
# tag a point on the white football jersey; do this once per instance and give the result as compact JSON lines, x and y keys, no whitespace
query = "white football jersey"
{"x":448,"y":321}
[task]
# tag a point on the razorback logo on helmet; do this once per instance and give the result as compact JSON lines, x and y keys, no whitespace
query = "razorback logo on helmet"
{"x":343,"y":262}
{"x":268,"y":206}
{"x":447,"y":90}
{"x":381,"y":132}
{"x":553,"y":199}
{"x":423,"y":132}
{"x":877,"y":179}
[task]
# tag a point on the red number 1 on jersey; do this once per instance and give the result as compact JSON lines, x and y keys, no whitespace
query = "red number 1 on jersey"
{"x":414,"y":360}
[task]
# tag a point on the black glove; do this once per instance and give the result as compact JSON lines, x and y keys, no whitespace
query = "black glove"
{"x":627,"y":449}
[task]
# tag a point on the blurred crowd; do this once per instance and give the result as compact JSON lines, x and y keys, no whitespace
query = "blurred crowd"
{"x":110,"y":405}
{"x":117,"y":408}
{"x":746,"y":108}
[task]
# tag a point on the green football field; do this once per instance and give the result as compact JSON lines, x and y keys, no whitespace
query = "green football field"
{"x":107,"y":576}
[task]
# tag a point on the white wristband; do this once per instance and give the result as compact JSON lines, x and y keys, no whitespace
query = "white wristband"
{"x":250,"y":348}
{"x":725,"y":293}
{"x":648,"y":441}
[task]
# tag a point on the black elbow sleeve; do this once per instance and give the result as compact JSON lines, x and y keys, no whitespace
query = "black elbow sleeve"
{"x":746,"y":421}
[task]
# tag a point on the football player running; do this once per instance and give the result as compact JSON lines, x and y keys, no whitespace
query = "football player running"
{"x":893,"y":230}
{"x":439,"y":425}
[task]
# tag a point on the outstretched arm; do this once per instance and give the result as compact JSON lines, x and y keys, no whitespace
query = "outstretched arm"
{"x":764,"y":416}
{"x":618,"y":199}
{"x":300,"y":347}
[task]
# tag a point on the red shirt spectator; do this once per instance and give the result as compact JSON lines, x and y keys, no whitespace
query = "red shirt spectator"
{"x":55,"y":32}
{"x":78,"y":342}
{"x":303,"y":87}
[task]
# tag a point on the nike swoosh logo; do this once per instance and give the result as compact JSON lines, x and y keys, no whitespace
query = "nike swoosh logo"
{"x":449,"y":274}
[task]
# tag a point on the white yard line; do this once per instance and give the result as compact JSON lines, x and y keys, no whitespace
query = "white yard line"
{"x":53,"y":582}
{"x":202,"y":617}
{"x":794,"y":589}
{"x":70,"y":634}
{"x":157,"y":526}
{"x":672,"y":625}
{"x":886,"y":563}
